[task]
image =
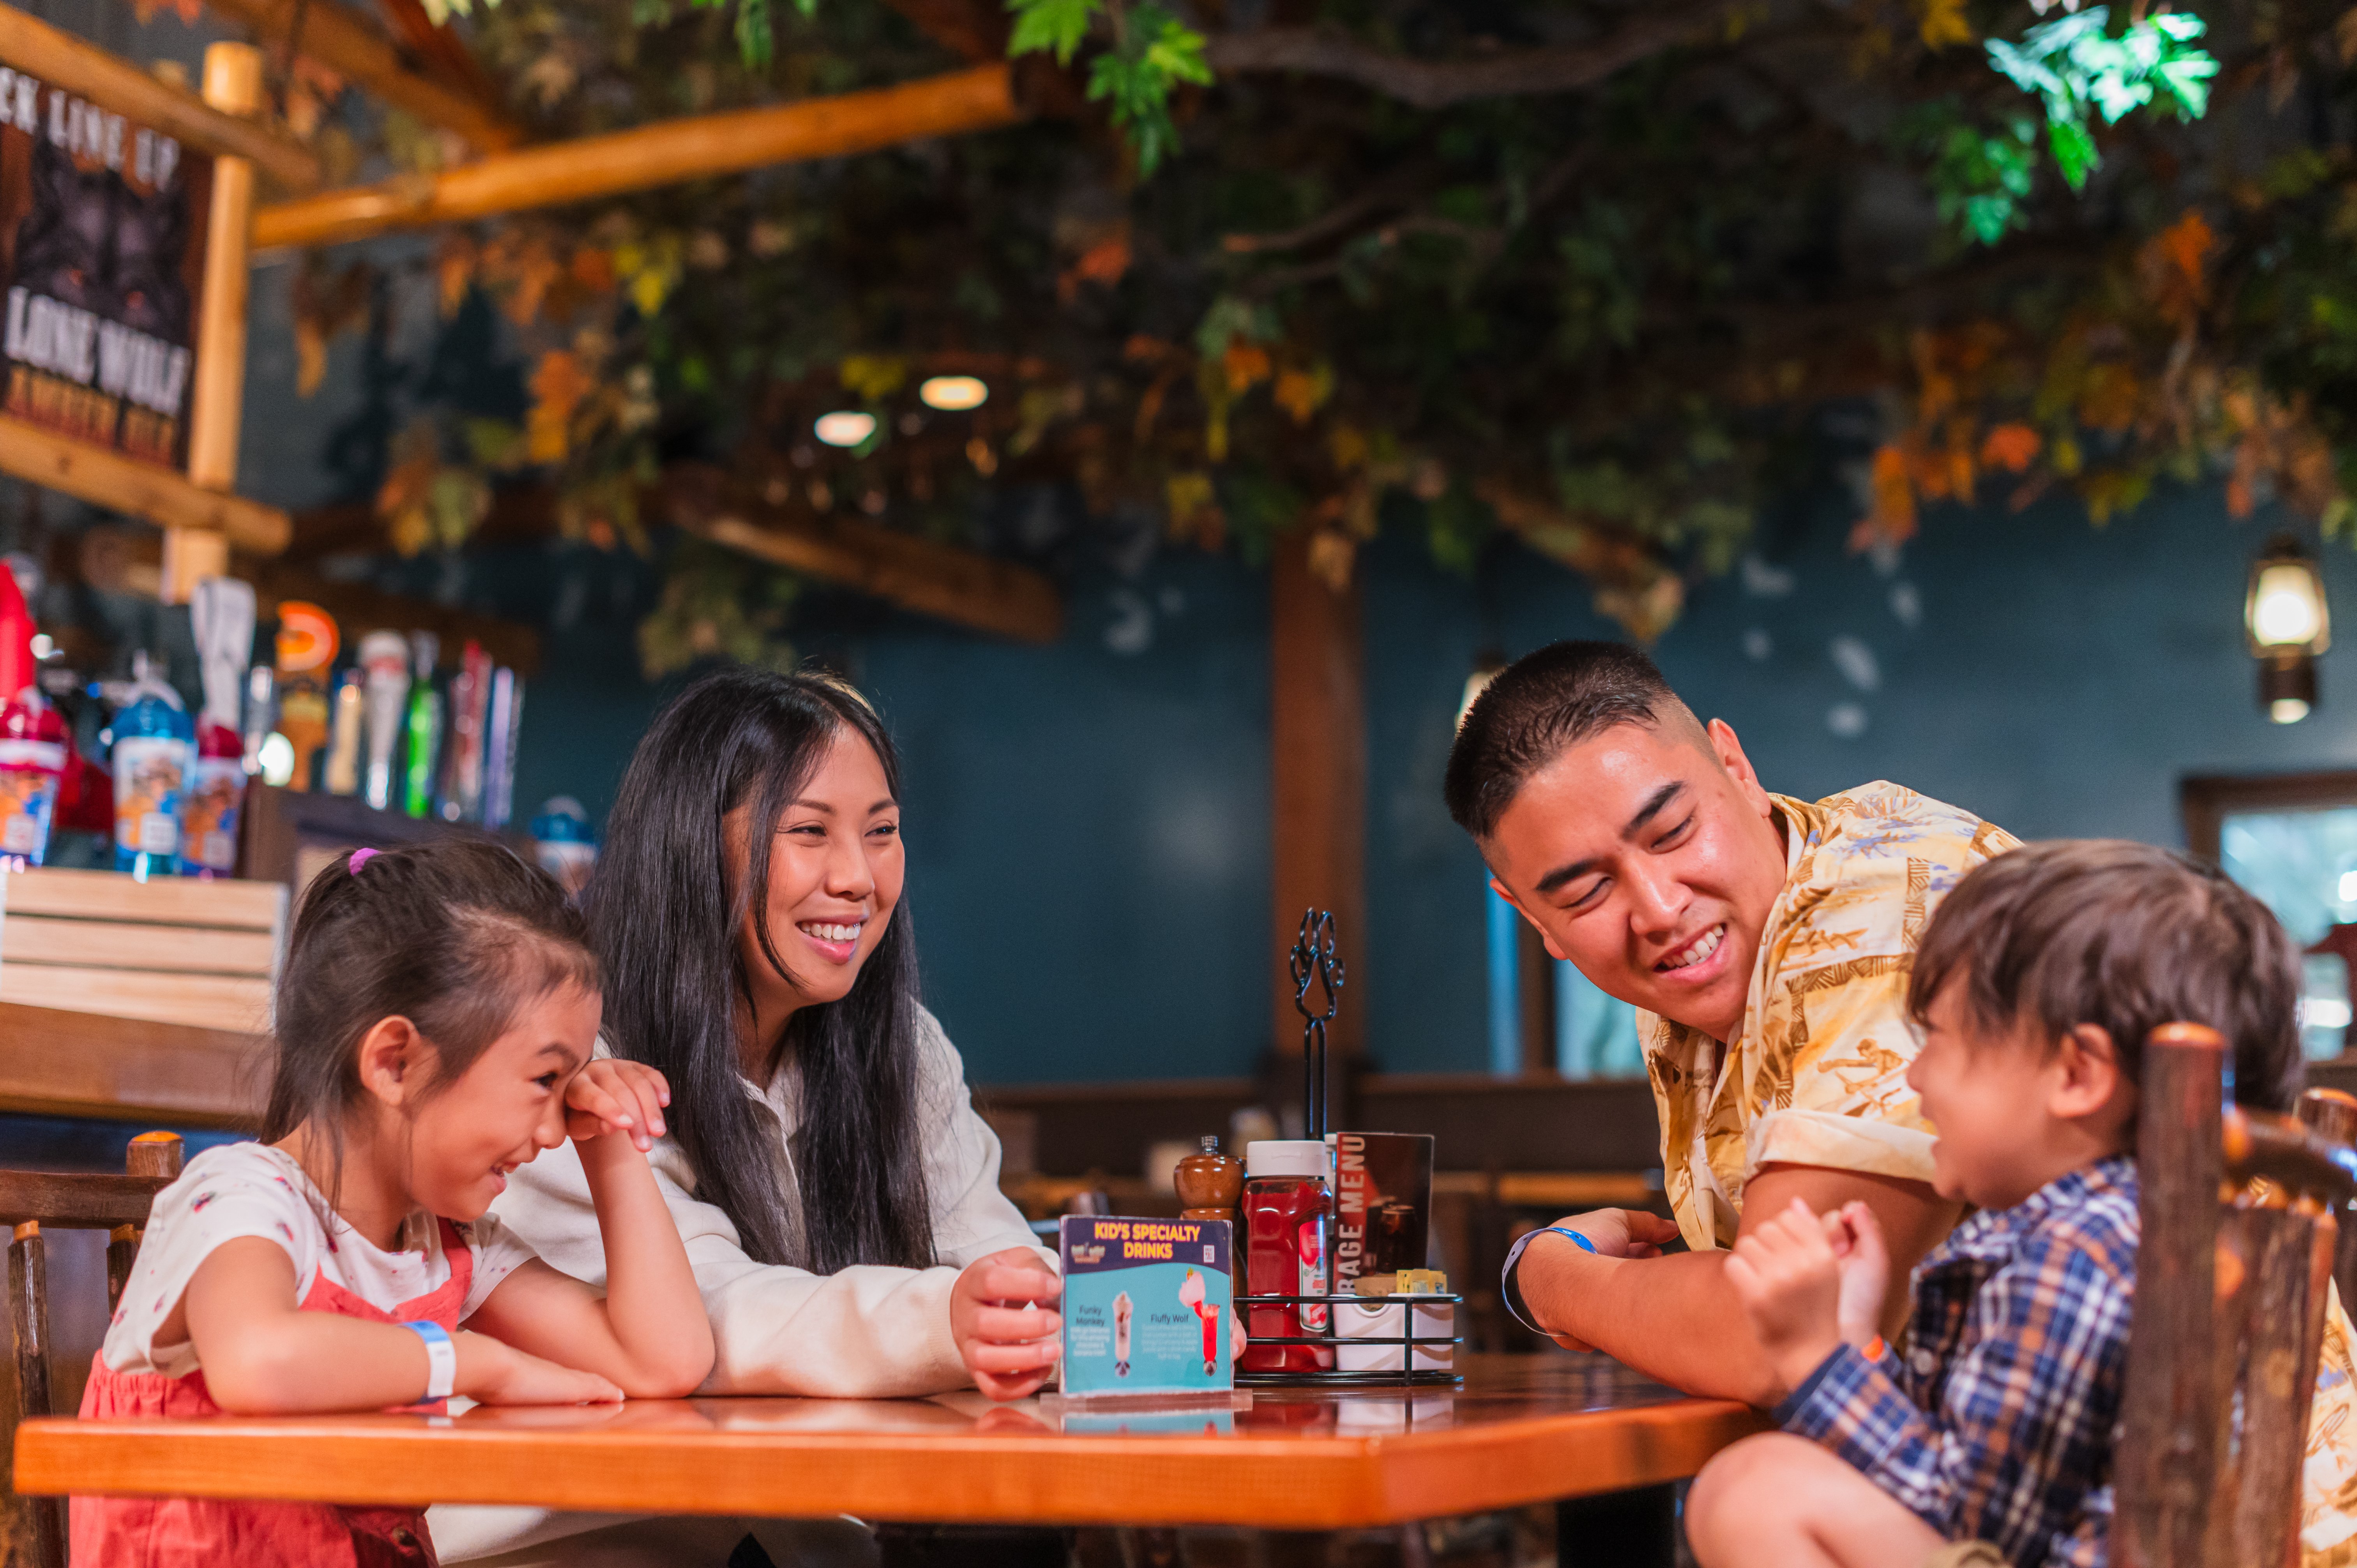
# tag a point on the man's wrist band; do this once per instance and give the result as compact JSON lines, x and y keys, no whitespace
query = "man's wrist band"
{"x":441,"y":1359}
{"x":1585,"y":1243}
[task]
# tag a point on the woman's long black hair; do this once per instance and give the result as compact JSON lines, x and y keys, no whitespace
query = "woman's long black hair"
{"x":664,"y":917}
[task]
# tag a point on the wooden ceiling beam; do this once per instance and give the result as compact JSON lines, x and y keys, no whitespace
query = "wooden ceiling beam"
{"x":667,"y":153}
{"x":106,"y":478}
{"x":964,"y":587}
{"x":349,"y":44}
{"x":60,"y":59}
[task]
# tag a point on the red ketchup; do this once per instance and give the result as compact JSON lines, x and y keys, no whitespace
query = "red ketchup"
{"x":1288,"y":1217}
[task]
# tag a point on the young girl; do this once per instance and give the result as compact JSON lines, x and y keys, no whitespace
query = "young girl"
{"x":434,"y":1023}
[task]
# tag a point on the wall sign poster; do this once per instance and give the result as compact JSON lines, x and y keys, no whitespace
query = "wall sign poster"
{"x":102,"y":261}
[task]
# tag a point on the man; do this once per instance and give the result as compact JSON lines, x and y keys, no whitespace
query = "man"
{"x":1767,"y":943}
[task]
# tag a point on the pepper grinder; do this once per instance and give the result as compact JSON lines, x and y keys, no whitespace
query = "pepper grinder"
{"x":1209,"y":1184}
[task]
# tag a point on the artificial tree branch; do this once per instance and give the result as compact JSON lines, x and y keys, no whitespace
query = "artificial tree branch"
{"x":1434,"y":84}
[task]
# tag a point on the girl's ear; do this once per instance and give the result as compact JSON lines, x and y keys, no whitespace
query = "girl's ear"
{"x":2089,"y":1076}
{"x":395,"y":1061}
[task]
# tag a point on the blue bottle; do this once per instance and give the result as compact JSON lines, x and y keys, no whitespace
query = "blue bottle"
{"x":154,"y":753}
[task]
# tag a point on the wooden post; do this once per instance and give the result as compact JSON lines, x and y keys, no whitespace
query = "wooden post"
{"x":40,"y":1521}
{"x":2166,"y":1464}
{"x":2282,"y":1299}
{"x":1318,"y":741}
{"x":216,"y":405}
{"x":156,"y":1156}
{"x":2332,"y":1115}
{"x":1536,"y":993}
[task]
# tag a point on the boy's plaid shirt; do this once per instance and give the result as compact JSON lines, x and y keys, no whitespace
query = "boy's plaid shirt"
{"x":1996,"y":1423}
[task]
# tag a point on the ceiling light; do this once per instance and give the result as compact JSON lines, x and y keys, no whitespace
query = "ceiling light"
{"x":845,"y":427}
{"x":953,"y":394}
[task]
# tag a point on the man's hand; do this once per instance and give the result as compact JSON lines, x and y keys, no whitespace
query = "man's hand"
{"x":1620,"y":1232}
{"x":1614,"y":1233}
{"x":1856,"y":1237}
{"x":1006,"y":1339}
{"x":1786,"y":1274}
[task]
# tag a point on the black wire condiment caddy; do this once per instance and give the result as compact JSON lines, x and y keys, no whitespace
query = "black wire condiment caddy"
{"x":1313,"y":964}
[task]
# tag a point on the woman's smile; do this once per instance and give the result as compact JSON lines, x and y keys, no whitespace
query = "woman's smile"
{"x":837,"y":942}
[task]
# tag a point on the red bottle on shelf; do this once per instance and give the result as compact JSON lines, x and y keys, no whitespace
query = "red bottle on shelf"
{"x":1288,"y":1218}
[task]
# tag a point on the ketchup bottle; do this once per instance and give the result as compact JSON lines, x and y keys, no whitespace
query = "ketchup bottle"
{"x":1289,"y":1217}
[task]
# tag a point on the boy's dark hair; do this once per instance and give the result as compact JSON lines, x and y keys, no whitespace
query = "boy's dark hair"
{"x":454,"y":936}
{"x":1536,"y":707}
{"x":2125,"y":937}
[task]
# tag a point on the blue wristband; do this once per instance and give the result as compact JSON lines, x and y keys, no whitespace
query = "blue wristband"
{"x":1585,"y":1243}
{"x":441,"y":1359}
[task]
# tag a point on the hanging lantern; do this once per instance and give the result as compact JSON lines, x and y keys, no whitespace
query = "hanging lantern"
{"x":2290,"y":625}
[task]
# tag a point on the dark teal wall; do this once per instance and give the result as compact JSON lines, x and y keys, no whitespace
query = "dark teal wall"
{"x":1089,"y":822}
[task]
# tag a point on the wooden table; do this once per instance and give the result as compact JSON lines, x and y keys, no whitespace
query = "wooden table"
{"x":1524,"y":1429}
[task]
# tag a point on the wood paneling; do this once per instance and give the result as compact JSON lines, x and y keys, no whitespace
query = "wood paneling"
{"x":1318,"y":744}
{"x":1542,"y":1123}
{"x":59,"y":1063}
{"x":231,"y":1002}
{"x":112,"y":944}
{"x":1524,"y":1429}
{"x":165,"y":900}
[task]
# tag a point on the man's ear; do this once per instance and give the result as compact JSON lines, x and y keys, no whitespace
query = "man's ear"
{"x":1729,"y":751}
{"x":2089,"y":1076}
{"x":395,"y":1061}
{"x":1545,"y":940}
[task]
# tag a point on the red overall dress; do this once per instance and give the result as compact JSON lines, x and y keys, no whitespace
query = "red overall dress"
{"x":182,"y":1532}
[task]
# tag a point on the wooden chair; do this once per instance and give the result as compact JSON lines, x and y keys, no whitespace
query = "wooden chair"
{"x":2239,"y":1239}
{"x":29,"y":1200}
{"x":2332,"y":1115}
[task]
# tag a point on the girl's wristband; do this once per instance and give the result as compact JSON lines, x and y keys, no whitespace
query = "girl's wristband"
{"x":441,"y":1359}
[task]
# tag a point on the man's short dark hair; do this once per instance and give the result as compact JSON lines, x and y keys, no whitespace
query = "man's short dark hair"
{"x":2126,"y":937}
{"x":1538,"y":706}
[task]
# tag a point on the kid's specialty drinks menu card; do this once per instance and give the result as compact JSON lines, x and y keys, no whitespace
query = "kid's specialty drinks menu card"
{"x":1147,"y":1304}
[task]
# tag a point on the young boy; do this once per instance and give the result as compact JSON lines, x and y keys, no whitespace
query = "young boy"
{"x":1985,"y":1438}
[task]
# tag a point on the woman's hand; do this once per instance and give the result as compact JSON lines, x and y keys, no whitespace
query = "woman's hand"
{"x":614,"y":1096}
{"x":490,"y":1372}
{"x":1789,"y":1281}
{"x":1005,"y":1336}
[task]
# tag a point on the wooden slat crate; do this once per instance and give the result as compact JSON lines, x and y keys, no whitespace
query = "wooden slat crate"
{"x":169,"y":949}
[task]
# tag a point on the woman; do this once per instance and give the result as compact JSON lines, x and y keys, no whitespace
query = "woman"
{"x":837,"y":1193}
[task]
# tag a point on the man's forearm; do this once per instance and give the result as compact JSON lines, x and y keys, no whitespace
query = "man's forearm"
{"x":1675,"y":1319}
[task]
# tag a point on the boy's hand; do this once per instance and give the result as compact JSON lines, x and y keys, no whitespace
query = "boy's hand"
{"x":614,"y":1096}
{"x":1856,"y":1236}
{"x":1005,"y":1336}
{"x":1789,"y":1281}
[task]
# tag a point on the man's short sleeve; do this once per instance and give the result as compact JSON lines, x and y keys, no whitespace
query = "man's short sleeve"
{"x":1828,"y":1073}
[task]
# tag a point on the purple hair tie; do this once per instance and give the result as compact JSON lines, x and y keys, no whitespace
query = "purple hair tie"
{"x":359,"y":858}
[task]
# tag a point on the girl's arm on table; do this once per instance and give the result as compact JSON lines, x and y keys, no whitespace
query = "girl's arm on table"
{"x":262,"y":1355}
{"x":648,"y":1333}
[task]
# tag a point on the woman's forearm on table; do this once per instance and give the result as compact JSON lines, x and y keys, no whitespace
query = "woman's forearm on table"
{"x":1675,"y":1319}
